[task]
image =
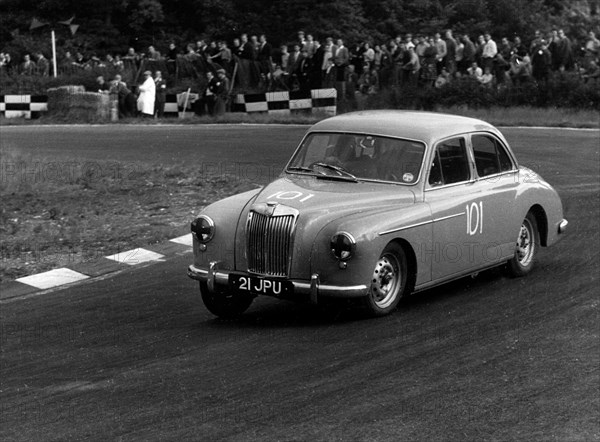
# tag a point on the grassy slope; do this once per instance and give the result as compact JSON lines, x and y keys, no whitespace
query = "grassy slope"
{"x":46,"y":224}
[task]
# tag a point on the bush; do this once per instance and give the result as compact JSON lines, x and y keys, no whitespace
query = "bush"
{"x":36,"y":85}
{"x":568,"y":90}
{"x":15,"y":84}
{"x":563,"y":90}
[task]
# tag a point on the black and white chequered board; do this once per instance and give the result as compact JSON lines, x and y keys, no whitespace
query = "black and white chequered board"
{"x":19,"y":106}
{"x":283,"y":103}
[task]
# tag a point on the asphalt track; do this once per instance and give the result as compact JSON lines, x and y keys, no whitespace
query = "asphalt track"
{"x":137,"y":357}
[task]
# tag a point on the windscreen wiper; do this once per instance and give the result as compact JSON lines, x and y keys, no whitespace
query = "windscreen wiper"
{"x":344,"y":174}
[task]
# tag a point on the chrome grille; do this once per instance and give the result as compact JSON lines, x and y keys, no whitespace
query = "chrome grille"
{"x":269,"y":241}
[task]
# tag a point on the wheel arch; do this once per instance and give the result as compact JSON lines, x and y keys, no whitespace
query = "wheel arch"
{"x":541,"y":220}
{"x":411,"y":261}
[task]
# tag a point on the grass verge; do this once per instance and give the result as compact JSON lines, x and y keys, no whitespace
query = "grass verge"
{"x":82,"y":215}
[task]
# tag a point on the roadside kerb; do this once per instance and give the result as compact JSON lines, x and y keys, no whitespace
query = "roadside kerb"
{"x":76,"y":273}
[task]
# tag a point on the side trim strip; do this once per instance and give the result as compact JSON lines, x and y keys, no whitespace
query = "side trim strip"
{"x":449,"y":216}
{"x":399,"y":229}
{"x":405,"y":227}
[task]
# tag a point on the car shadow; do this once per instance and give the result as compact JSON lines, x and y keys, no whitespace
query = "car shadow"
{"x":274,"y":313}
{"x":470,"y":285}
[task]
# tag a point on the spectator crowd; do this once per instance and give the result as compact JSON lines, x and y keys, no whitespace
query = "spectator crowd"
{"x":253,"y":64}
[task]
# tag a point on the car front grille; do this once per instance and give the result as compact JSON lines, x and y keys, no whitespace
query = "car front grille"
{"x":269,"y":242}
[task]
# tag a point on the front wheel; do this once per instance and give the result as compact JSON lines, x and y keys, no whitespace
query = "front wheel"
{"x":223,"y":304}
{"x":388,"y":281}
{"x":527,"y":245}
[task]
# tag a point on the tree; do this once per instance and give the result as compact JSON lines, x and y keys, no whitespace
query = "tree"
{"x":147,"y":14}
{"x":516,"y":17}
{"x":110,"y":25}
{"x":325,"y":18}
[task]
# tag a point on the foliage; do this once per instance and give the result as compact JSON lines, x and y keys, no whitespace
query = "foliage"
{"x":564,"y":90}
{"x":113,"y":25}
{"x":36,"y":85}
{"x":149,"y":13}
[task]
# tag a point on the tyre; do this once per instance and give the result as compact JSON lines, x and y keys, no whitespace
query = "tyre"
{"x":388,"y":282}
{"x":526,"y":249}
{"x":223,"y":304}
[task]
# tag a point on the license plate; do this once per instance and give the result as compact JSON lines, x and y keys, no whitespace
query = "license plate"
{"x":260,"y":286}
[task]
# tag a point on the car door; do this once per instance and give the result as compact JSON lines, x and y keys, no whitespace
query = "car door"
{"x":497,"y":180}
{"x":455,"y":201}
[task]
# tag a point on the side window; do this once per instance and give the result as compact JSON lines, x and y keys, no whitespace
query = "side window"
{"x":490,"y":155}
{"x":450,"y":163}
{"x":505,"y":162}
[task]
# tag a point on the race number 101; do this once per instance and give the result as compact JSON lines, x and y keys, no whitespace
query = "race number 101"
{"x":474,"y":218}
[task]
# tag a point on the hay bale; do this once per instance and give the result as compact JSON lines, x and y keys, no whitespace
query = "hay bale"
{"x":73,"y":104}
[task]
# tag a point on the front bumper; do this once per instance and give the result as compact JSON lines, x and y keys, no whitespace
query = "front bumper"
{"x":214,"y":276}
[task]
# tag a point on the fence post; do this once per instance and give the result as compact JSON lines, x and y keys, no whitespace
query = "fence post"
{"x":187,"y":98}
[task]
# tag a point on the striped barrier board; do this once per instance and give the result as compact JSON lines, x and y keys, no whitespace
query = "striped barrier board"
{"x":287,"y":102}
{"x":19,"y":106}
{"x":284,"y":103}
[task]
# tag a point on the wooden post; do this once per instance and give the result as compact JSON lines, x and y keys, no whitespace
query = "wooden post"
{"x":233,"y":77}
{"x":54,"y":52}
{"x":187,"y":98}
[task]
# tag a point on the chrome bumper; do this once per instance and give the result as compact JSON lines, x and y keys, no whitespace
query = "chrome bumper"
{"x":313,"y":288}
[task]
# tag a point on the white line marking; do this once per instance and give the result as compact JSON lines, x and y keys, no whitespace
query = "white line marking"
{"x":135,"y":256}
{"x":186,"y":240}
{"x":53,"y":278}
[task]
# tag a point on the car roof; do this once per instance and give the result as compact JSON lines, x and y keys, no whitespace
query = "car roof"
{"x":422,"y":126}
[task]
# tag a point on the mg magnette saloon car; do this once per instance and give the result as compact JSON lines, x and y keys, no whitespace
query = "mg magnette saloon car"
{"x":374,"y":206}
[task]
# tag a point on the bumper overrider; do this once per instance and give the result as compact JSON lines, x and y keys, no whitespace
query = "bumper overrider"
{"x":313,"y":289}
{"x":562,"y":226}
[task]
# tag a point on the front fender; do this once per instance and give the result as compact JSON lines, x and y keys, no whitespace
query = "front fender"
{"x":372,"y":232}
{"x":226,"y":214}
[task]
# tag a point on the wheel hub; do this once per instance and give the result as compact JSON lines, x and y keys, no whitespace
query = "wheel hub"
{"x":524,"y":245}
{"x":384,"y":281}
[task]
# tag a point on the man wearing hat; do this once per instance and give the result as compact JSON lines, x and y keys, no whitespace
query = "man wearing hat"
{"x":145,"y":102}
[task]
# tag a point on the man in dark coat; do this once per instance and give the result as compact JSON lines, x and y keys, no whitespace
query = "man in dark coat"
{"x":125,"y":97}
{"x":541,"y":63}
{"x":304,"y":70}
{"x":221,"y":92}
{"x":316,"y":66}
{"x":564,"y":52}
{"x":265,"y":55}
{"x":161,"y":94}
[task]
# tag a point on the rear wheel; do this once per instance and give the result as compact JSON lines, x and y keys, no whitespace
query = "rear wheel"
{"x":224,"y":304}
{"x":388,"y":281}
{"x":528,"y":242}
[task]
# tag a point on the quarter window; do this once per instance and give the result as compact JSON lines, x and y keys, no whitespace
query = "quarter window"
{"x":450,"y":163}
{"x":490,"y":156}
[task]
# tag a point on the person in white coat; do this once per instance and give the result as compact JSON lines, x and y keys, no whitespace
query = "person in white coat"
{"x":145,"y":102}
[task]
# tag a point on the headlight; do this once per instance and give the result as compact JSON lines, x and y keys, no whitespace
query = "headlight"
{"x":203,"y":228}
{"x":343,"y":245}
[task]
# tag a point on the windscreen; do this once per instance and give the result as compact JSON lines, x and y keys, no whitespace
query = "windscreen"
{"x":365,"y":157}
